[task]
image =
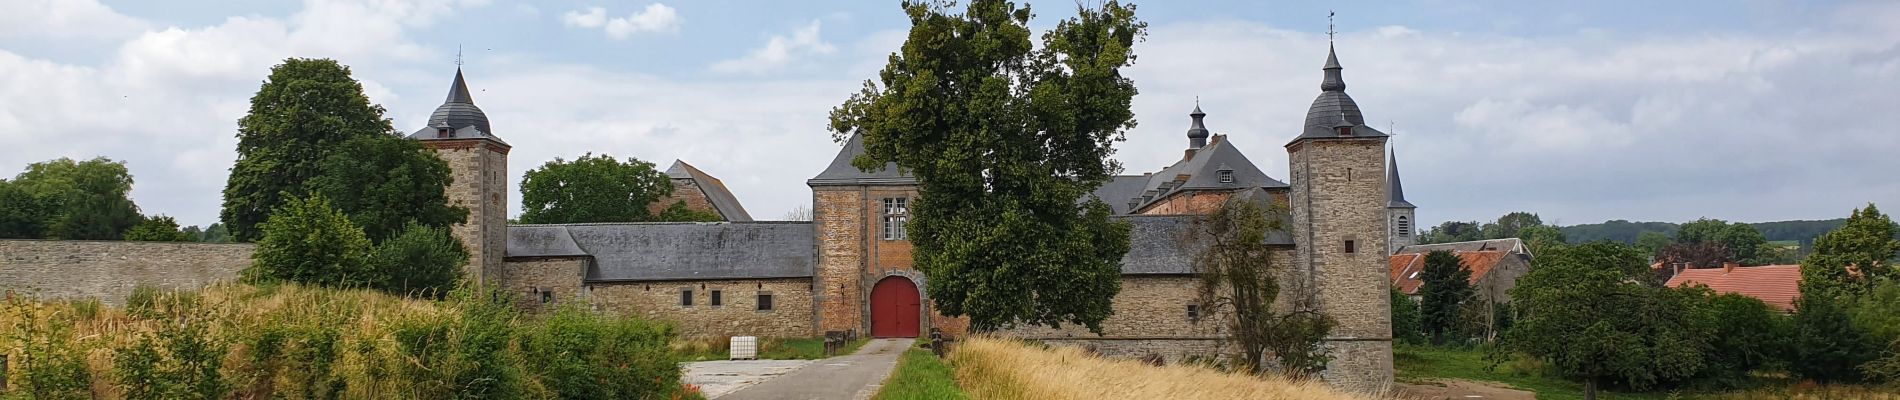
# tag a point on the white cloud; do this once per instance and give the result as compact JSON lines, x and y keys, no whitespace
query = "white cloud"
{"x":656,"y":18}
{"x":64,"y":19}
{"x":779,"y":52}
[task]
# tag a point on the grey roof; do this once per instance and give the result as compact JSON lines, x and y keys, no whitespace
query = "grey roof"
{"x":459,"y":114}
{"x":1197,"y":132}
{"x":716,"y":193}
{"x":1118,"y":190}
{"x":1394,"y":191}
{"x":1203,"y":173}
{"x":1507,"y":244}
{"x":1334,"y":108}
{"x":675,"y":250}
{"x":841,"y":172}
{"x":1167,"y":244}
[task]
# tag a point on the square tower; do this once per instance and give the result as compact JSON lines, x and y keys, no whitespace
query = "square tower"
{"x":1340,"y":227}
{"x":458,"y":132}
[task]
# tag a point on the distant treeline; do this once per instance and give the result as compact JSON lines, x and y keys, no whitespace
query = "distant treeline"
{"x":1626,"y":231}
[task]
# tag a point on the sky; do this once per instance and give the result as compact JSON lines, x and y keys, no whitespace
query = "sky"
{"x":1749,"y":110}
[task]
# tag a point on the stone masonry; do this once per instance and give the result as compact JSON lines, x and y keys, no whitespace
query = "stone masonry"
{"x":480,"y":171}
{"x":109,"y":270}
{"x":736,"y":315}
{"x":1339,"y":227}
{"x":838,"y":275}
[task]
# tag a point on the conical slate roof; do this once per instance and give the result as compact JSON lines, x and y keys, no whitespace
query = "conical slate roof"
{"x":1334,"y":108}
{"x":1394,"y":191}
{"x":458,"y":114}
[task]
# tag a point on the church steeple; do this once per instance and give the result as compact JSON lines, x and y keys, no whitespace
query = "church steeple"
{"x":1394,"y":191}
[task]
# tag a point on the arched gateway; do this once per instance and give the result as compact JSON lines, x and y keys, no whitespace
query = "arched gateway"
{"x":895,"y":308}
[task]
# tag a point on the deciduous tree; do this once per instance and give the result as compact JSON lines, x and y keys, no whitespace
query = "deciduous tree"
{"x":386,"y":182}
{"x":421,"y":261}
{"x":1446,"y":288}
{"x":157,"y":229}
{"x":79,"y":200}
{"x":1509,"y":225}
{"x":305,"y":110}
{"x":1004,"y":137}
{"x":311,"y":242}
{"x":591,"y":189}
{"x":1240,"y":284}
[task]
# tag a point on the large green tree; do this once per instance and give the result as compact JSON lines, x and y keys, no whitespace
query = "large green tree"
{"x":1509,"y":225}
{"x":591,"y":189}
{"x":1453,"y":231}
{"x":1542,"y":237}
{"x":311,"y":242}
{"x":1445,"y":289}
{"x":385,"y":182}
{"x":310,"y":120}
{"x":22,"y":214}
{"x":1847,"y":262}
{"x":1853,"y":255}
{"x":1741,"y":240}
{"x":1588,"y":313}
{"x":1004,"y":137}
{"x":74,"y":200}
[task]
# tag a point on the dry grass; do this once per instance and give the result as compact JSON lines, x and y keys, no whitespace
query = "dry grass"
{"x":992,"y":368}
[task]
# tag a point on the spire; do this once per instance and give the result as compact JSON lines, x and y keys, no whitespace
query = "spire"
{"x":1333,"y":82}
{"x":1197,"y":133}
{"x":458,"y":91}
{"x":1394,"y":191}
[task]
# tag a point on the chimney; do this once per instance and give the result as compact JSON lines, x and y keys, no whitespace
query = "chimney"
{"x":1188,"y":155}
{"x":1728,"y":267}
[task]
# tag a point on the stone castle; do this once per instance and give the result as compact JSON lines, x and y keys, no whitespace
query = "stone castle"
{"x":849,"y":267}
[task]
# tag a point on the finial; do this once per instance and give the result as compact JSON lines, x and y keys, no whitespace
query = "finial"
{"x":458,"y":56}
{"x":1329,"y":26}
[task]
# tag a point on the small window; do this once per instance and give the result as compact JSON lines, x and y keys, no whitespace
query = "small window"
{"x":718,"y":298}
{"x":1227,"y":177}
{"x":765,"y":301}
{"x":1194,"y":313}
{"x":896,"y":214}
{"x":547,"y":296}
{"x":686,"y":297}
{"x":1352,"y":247}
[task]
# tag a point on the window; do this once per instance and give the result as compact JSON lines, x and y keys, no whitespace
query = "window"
{"x":718,"y":298}
{"x":1405,"y":226}
{"x":896,"y":213}
{"x":1352,"y":247}
{"x":686,"y":297}
{"x":765,"y":301}
{"x":1226,"y":176}
{"x":1194,"y":313}
{"x":547,"y":296}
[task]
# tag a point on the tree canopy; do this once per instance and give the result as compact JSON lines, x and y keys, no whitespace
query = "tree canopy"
{"x":1589,"y":313}
{"x":157,"y":229}
{"x":311,"y":131}
{"x":1004,"y":137}
{"x":592,"y":189}
{"x":67,"y":199}
{"x":1445,"y":288}
{"x":1240,"y":285}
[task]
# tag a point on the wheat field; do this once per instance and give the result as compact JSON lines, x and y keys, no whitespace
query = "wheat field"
{"x":991,"y":368}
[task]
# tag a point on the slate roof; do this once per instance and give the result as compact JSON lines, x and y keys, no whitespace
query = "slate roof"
{"x":1394,"y":191}
{"x":1202,"y":172}
{"x":1406,"y":268}
{"x":1167,"y":245}
{"x":841,"y":172}
{"x":458,"y":114}
{"x":1777,"y":285}
{"x":716,"y":192}
{"x":1513,"y":245}
{"x":1118,"y":190}
{"x":1334,"y":108}
{"x":675,"y":250}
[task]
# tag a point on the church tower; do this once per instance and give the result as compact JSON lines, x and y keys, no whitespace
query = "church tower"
{"x":1339,"y":227}
{"x":1400,"y":214}
{"x":458,"y":132}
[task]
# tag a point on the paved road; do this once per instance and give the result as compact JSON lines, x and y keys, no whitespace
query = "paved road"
{"x":856,"y":376}
{"x":717,"y":378}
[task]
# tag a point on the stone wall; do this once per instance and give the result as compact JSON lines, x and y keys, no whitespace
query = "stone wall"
{"x":685,"y":190}
{"x":1338,"y":197}
{"x":109,"y":270}
{"x":479,"y":169}
{"x":840,"y":266}
{"x":559,"y":277}
{"x":737,"y":315}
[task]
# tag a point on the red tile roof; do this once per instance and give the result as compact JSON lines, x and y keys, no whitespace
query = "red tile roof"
{"x":1405,"y":268}
{"x":1777,"y":285}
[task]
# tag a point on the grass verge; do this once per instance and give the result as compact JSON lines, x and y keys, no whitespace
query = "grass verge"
{"x":715,"y":349}
{"x":1005,"y":369}
{"x":1423,"y":364}
{"x":921,"y":375}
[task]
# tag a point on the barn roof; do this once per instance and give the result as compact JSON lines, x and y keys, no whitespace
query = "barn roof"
{"x":1777,"y":285}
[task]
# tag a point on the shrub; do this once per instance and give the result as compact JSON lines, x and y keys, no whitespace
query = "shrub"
{"x":53,"y":366}
{"x":421,"y":261}
{"x":1747,"y":336}
{"x":309,"y":241}
{"x":157,"y":229}
{"x":1828,"y":346}
{"x":582,"y":355}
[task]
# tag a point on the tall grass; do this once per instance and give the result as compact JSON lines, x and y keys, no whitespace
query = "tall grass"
{"x":990,"y":368}
{"x":296,"y":342}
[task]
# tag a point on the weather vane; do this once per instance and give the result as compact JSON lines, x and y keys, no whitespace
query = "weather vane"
{"x":458,"y":56}
{"x":1329,"y":25}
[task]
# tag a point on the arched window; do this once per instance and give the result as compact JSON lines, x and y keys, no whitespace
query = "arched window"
{"x":1405,"y":226}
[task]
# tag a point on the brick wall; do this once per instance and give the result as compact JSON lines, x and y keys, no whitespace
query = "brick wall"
{"x":684,"y":190}
{"x":837,"y":215}
{"x":109,"y":270}
{"x":737,"y":315}
{"x":1338,"y":195}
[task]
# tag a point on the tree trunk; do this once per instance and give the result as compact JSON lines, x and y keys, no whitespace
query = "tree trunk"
{"x":1590,"y":388}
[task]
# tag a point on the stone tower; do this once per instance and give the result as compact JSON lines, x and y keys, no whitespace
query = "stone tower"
{"x":1400,"y":214}
{"x":1339,"y":230}
{"x":458,"y":132}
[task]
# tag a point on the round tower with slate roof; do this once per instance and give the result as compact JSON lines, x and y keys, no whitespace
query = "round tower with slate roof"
{"x":1339,"y":208}
{"x":458,"y":132}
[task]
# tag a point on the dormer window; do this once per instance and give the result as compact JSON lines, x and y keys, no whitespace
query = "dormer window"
{"x":1345,"y":130}
{"x":442,"y":133}
{"x":1226,"y":175}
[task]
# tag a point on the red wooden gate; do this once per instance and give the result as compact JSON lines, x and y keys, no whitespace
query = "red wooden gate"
{"x":894,"y":308}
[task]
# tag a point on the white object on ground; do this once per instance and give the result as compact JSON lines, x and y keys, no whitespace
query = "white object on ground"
{"x":743,"y":348}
